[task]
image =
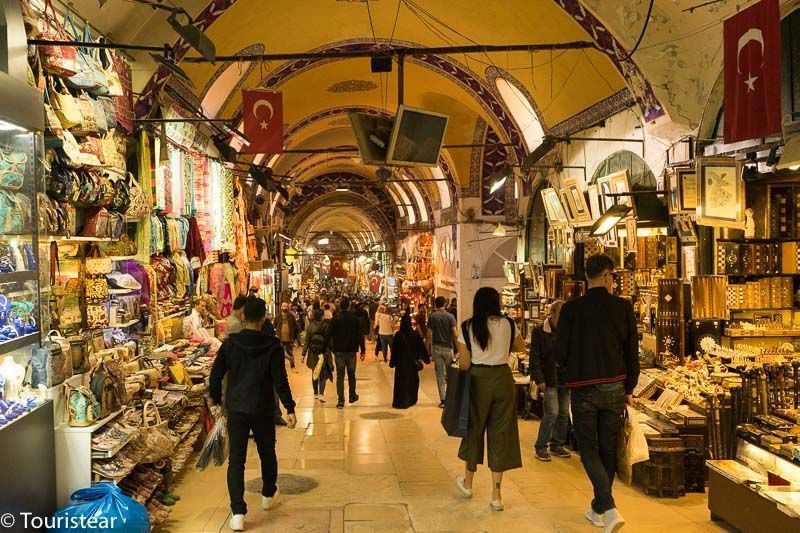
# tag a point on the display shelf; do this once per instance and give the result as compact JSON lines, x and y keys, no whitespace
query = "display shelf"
{"x":745,"y":309}
{"x":172,"y":315}
{"x":108,"y":454}
{"x":19,"y":276}
{"x":90,"y":429}
{"x":20,"y":342}
{"x":760,"y":275}
{"x":122,"y":291}
{"x":124,"y":324}
{"x":761,"y":335}
{"x":122,"y":257}
{"x":80,"y":239}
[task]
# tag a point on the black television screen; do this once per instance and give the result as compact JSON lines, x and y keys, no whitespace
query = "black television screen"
{"x":417,"y":137}
{"x":372,"y":135}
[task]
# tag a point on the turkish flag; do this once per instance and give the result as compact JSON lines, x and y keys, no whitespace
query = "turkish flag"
{"x":263,"y":121}
{"x":375,"y":282}
{"x":752,"y":40}
{"x":337,"y":267}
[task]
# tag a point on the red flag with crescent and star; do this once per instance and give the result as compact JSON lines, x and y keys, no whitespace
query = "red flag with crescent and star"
{"x":263,"y":121}
{"x":752,"y":40}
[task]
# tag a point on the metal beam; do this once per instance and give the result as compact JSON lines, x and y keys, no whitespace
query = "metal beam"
{"x":410,"y":51}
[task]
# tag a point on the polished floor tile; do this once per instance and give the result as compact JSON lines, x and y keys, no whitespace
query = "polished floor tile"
{"x":375,"y":472}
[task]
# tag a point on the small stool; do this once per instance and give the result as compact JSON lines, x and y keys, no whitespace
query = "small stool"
{"x":664,"y":472}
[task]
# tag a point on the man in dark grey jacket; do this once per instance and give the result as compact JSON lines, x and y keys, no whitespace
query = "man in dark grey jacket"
{"x":253,"y":364}
{"x":598,"y":346}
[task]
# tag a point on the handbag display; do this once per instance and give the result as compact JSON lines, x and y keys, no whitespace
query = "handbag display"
{"x":139,"y":201}
{"x":154,"y":436}
{"x":59,"y":60}
{"x":116,"y":222}
{"x":88,"y":124}
{"x":79,"y":354}
{"x":108,"y":387}
{"x":93,"y":146}
{"x":64,"y":104}
{"x":82,"y":408}
{"x":97,"y":264}
{"x":89,"y":73}
{"x":115,"y":88}
{"x":122,"y":195}
{"x":12,"y":215}
{"x":97,"y":224}
{"x":96,"y":289}
{"x":178,"y":374}
{"x":48,"y":366}
{"x":109,"y":114}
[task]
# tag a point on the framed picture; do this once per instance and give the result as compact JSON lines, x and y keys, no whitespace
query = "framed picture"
{"x":630,"y":234}
{"x":552,"y":206}
{"x":671,"y":182}
{"x":688,"y":262}
{"x":721,"y":201}
{"x":672,"y":249}
{"x":686,"y":181}
{"x":619,"y":185}
{"x":577,"y":200}
{"x":604,"y":189}
{"x":594,"y":201}
{"x":510,"y":270}
{"x":531,"y":295}
{"x":564,"y":196}
{"x":533,"y":311}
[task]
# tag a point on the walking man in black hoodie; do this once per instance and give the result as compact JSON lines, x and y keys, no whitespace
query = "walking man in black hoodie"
{"x":253,"y":363}
{"x":598,"y":346}
{"x":344,"y":338}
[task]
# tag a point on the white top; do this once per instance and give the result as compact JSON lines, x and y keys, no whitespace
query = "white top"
{"x":384,"y":323}
{"x":496,"y":352}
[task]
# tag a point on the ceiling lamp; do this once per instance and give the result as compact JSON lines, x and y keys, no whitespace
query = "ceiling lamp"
{"x":609,"y":219}
{"x":323,"y":241}
{"x":499,"y":231}
{"x":500,"y":178}
{"x":534,"y":157}
{"x":310,"y":250}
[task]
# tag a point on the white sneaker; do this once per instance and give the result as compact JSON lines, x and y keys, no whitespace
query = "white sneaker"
{"x":465,"y":492}
{"x":613,"y":520}
{"x":594,"y":518}
{"x":237,"y":522}
{"x":497,"y":505}
{"x":268,"y":503}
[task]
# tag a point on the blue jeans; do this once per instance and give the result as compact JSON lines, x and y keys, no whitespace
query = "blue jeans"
{"x":596,"y":419}
{"x":385,"y":341}
{"x":553,"y":428}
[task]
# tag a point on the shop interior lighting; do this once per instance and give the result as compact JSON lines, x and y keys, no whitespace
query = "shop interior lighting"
{"x":342,"y":189}
{"x":499,"y":231}
{"x":500,"y":178}
{"x":609,"y":219}
{"x":7,"y":126}
{"x":323,"y":241}
{"x":310,"y":250}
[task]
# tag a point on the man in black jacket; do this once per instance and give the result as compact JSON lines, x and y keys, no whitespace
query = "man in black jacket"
{"x":253,"y":363}
{"x":549,"y":377}
{"x":344,"y":337}
{"x":598,"y":346}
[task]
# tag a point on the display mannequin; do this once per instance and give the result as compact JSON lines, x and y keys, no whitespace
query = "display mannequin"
{"x":14,"y":375}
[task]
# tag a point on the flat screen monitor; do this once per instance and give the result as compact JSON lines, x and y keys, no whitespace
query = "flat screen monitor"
{"x":417,"y":137}
{"x":373,"y":135}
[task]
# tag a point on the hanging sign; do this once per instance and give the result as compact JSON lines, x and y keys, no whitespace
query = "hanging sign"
{"x":263,"y":121}
{"x":752,"y":52}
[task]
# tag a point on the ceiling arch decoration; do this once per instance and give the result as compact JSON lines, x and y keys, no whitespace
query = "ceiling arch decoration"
{"x":494,"y":158}
{"x":446,"y":66}
{"x":642,"y":90}
{"x":493,"y":73}
{"x":473,"y":190}
{"x":216,"y":82}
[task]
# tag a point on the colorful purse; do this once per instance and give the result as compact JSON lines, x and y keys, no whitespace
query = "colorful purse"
{"x":88,"y":124}
{"x":139,"y":201}
{"x":64,"y":104}
{"x":116,"y":222}
{"x":97,"y":264}
{"x":59,"y":60}
{"x":85,"y":77}
{"x":81,"y":405}
{"x":96,"y":316}
{"x":153,"y":436}
{"x":122,"y":195}
{"x":114,"y":83}
{"x":96,"y":289}
{"x":93,"y":146}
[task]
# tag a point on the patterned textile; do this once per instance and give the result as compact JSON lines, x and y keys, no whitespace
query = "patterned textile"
{"x":188,"y":185}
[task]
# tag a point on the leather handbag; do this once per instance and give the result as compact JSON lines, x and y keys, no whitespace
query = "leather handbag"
{"x":59,"y":60}
{"x":88,"y":192}
{"x":97,"y":224}
{"x":79,"y":354}
{"x":108,"y":387}
{"x":112,"y":157}
{"x":100,"y":116}
{"x":60,"y":181}
{"x":52,"y":124}
{"x":96,"y":316}
{"x":48,"y":366}
{"x":96,"y":289}
{"x":115,"y":88}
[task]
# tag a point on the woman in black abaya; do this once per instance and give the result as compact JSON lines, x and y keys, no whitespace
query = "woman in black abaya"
{"x":408,"y":355}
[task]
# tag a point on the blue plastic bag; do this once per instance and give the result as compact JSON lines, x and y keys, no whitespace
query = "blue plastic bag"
{"x":102,"y":507}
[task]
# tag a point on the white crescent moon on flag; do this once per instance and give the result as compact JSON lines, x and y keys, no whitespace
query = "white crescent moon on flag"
{"x":265,"y":103}
{"x":753,"y":34}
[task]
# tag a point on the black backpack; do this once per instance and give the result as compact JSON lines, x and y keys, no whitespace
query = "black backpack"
{"x":316,"y":344}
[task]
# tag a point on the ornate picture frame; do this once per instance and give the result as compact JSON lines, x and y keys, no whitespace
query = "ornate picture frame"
{"x":553,"y":208}
{"x":686,"y":181}
{"x":563,"y":195}
{"x":721,"y":200}
{"x":577,"y":200}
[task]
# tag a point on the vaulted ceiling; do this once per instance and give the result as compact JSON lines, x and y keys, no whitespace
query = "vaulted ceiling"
{"x":668,"y":79}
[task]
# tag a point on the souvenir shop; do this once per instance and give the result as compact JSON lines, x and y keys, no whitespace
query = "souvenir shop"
{"x":707,"y":254}
{"x":123,"y":246}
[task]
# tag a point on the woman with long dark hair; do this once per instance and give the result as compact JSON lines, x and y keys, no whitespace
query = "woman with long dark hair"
{"x":408,"y":354}
{"x":484,"y":346}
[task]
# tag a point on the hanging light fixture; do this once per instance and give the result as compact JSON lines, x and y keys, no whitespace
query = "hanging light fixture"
{"x":500,"y":178}
{"x":499,"y":231}
{"x":609,"y":219}
{"x":323,"y":241}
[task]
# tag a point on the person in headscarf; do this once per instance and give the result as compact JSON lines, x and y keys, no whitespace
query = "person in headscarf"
{"x":408,"y":355}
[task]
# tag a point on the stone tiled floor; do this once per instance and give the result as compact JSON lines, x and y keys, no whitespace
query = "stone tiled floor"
{"x":396,"y":475}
